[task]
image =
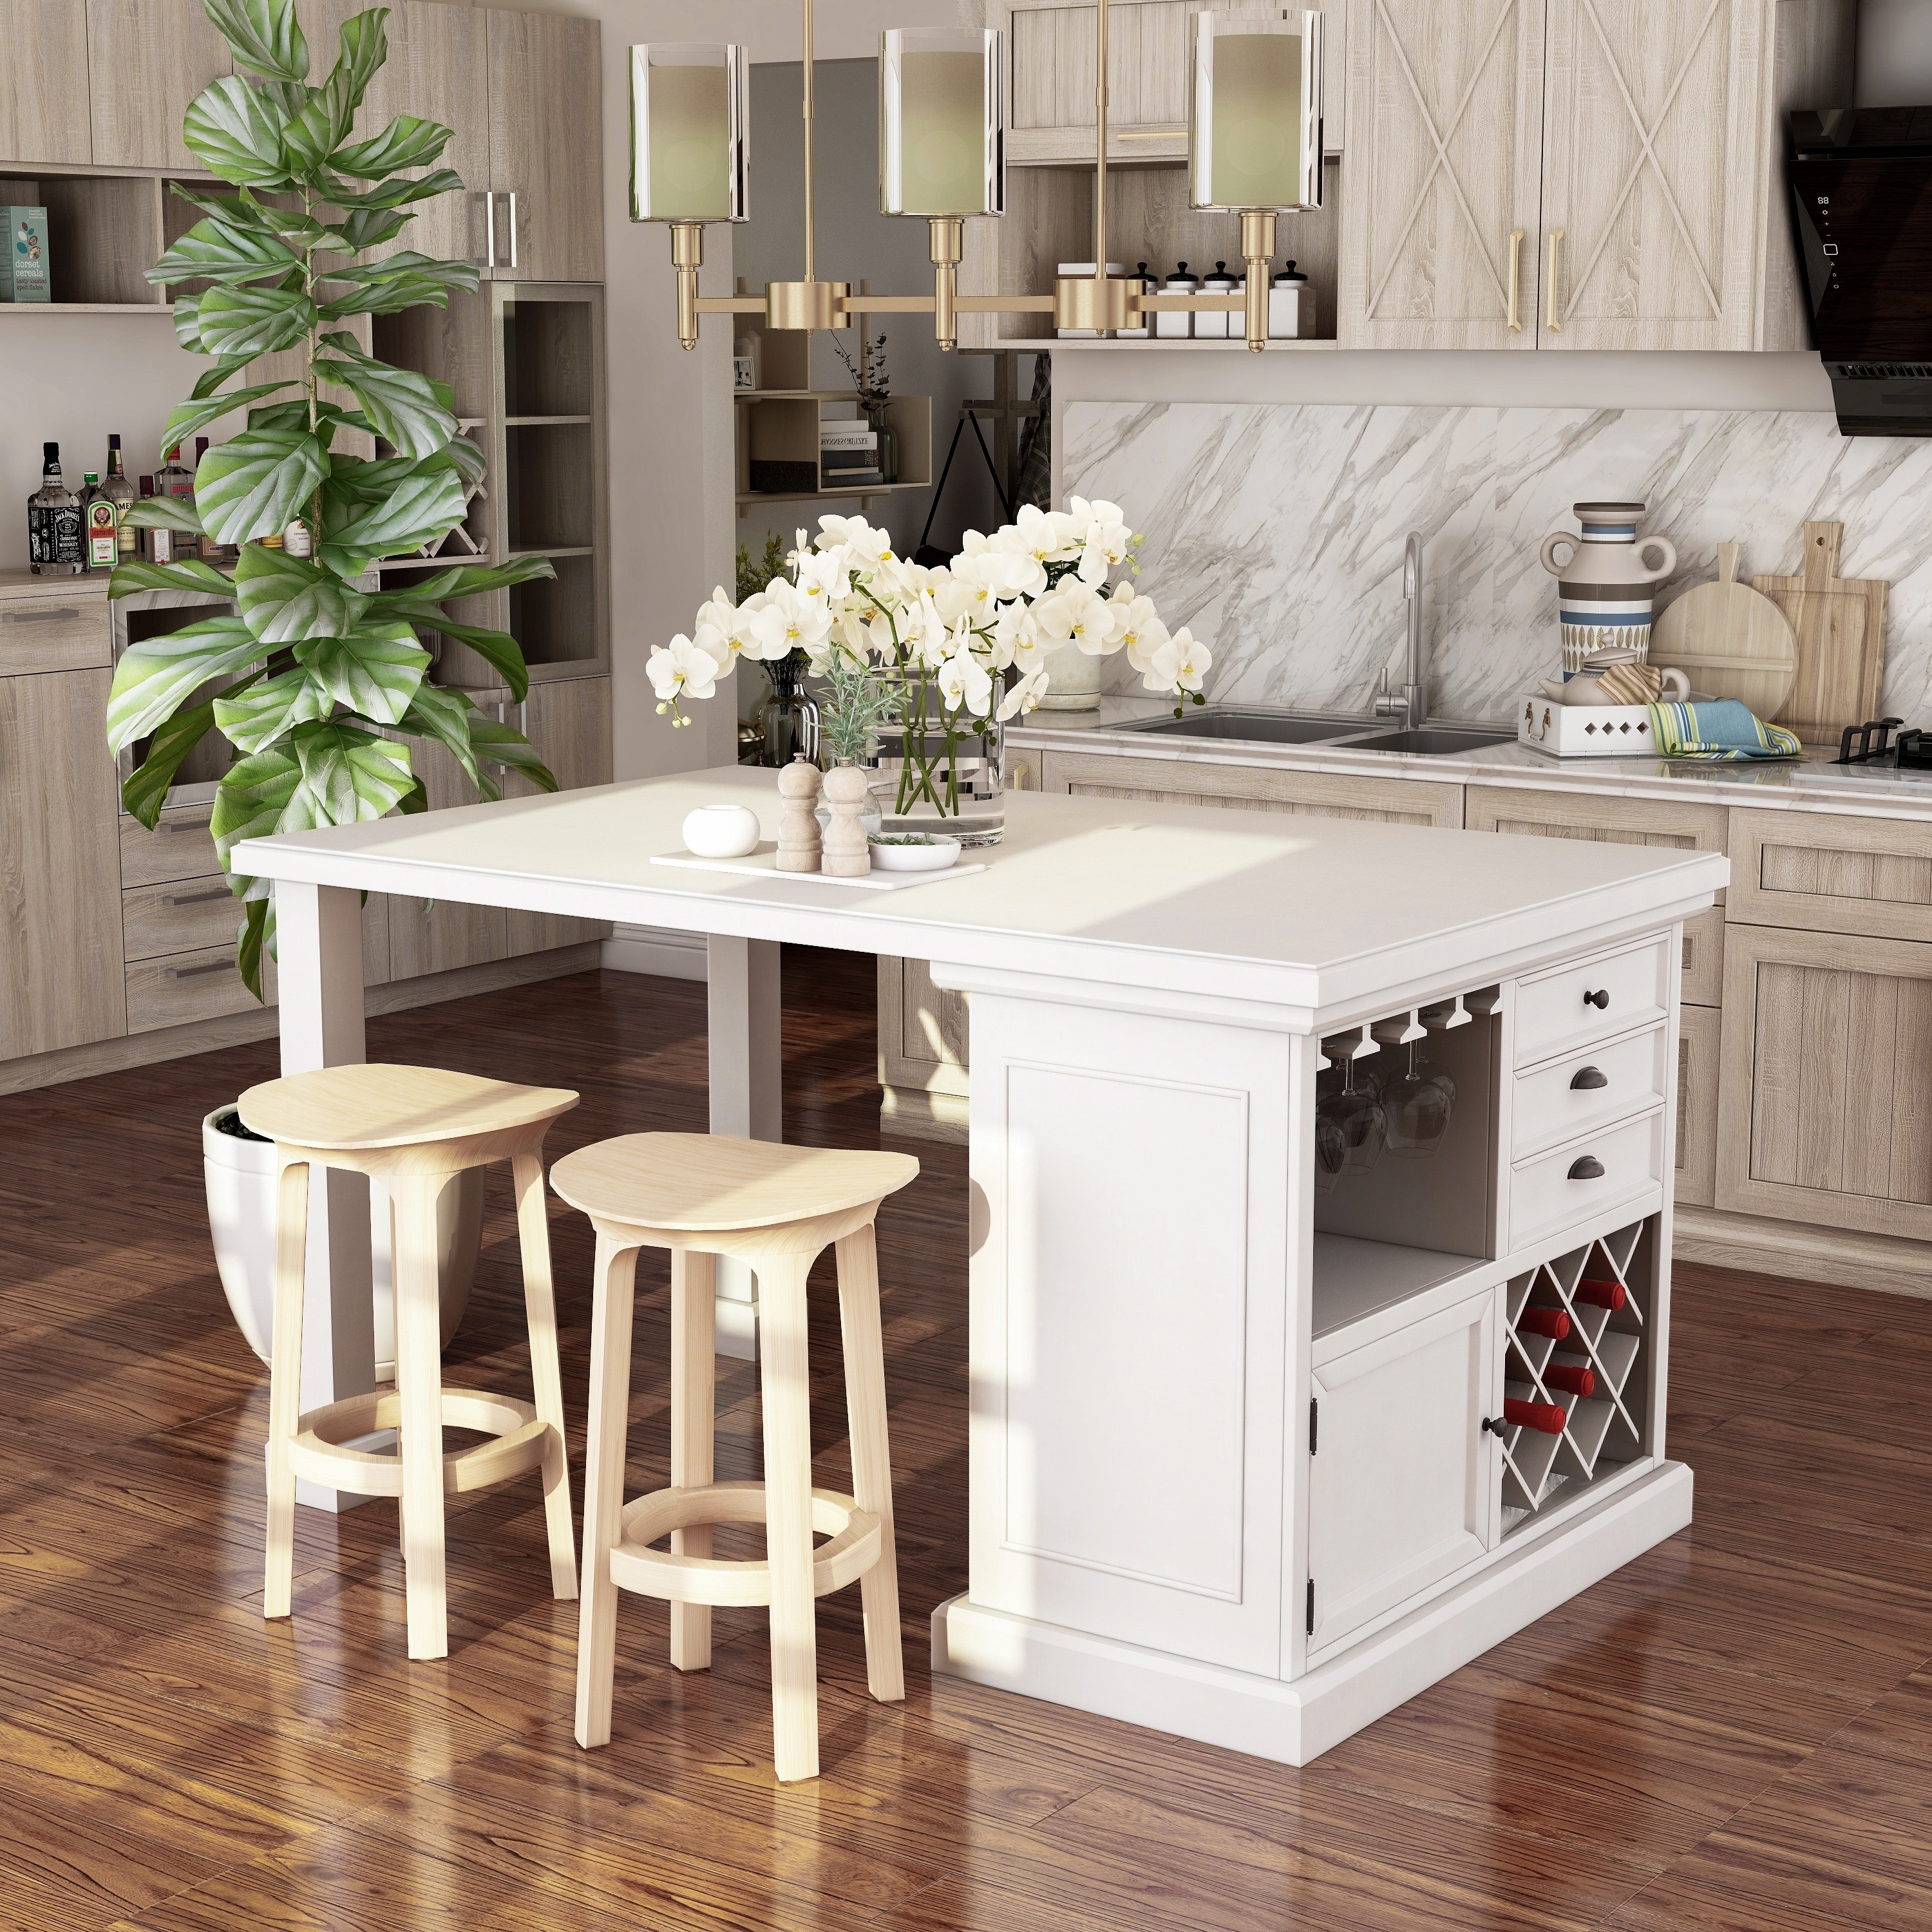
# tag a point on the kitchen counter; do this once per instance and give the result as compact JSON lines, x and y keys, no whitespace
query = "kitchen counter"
{"x":1164,"y":1287}
{"x":1809,"y":784}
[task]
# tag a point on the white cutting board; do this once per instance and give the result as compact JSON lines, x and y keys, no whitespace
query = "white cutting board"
{"x":764,"y":864}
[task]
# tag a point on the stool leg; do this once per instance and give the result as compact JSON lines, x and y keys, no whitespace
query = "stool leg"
{"x":613,"y":1291}
{"x":540,"y":1306}
{"x":693,"y":1400}
{"x":871,"y":1456}
{"x":419,"y":1391}
{"x":785,"y":1387}
{"x":285,"y":1352}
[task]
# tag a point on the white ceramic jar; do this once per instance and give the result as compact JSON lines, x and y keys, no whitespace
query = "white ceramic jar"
{"x":720,"y":832}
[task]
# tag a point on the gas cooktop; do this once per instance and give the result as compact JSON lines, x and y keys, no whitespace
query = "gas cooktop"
{"x":1870,"y":755}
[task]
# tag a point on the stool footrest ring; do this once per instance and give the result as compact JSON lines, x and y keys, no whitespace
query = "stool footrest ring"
{"x":852,"y":1550}
{"x":320,"y":1453}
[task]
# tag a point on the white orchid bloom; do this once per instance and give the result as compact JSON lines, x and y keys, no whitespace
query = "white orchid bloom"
{"x":1016,"y":637}
{"x":1025,"y":695}
{"x":1076,"y":613}
{"x":1106,"y":542}
{"x":678,"y":671}
{"x":1047,"y":536}
{"x":824,"y":577}
{"x":992,"y":578}
{"x":963,"y":679}
{"x":925,"y":633}
{"x":789,"y":622}
{"x":1141,"y":629}
{"x":868,"y":548}
{"x":1180,"y":664}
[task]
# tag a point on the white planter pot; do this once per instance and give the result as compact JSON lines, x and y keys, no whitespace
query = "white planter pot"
{"x":241,"y":1179}
{"x":1072,"y":679}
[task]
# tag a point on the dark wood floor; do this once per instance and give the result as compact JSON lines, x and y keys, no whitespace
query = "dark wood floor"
{"x":1734,"y":1732}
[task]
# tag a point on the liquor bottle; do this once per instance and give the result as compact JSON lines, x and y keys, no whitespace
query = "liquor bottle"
{"x":97,"y":523}
{"x":158,"y":545}
{"x":174,"y":478}
{"x":120,"y":493}
{"x":1550,"y":1322}
{"x":210,"y":549}
{"x":54,"y":547}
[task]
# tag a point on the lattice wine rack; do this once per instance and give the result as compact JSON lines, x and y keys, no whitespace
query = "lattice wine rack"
{"x":1574,"y":1387}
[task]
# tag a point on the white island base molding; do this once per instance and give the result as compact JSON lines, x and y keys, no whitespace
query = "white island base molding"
{"x":1295,"y":1723}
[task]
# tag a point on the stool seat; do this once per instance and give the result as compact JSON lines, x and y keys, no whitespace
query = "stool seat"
{"x":715,"y":1184}
{"x":351,"y":1108}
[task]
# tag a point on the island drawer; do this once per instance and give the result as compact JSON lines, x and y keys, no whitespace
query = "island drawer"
{"x":1588,"y":1089}
{"x":1576,"y":1006}
{"x":181,"y":916}
{"x":1584,"y":1178}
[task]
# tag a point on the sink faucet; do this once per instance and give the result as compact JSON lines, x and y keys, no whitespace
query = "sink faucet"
{"x":1409,"y":704}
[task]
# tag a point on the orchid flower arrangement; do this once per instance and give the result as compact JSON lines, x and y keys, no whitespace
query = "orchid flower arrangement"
{"x":966,"y":642}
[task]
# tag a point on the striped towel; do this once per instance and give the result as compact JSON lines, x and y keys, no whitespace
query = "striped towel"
{"x":1725,"y":728}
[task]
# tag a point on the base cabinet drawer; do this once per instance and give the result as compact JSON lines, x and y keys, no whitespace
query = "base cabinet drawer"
{"x":184,"y":986}
{"x":1584,"y":1178}
{"x":180,"y":847}
{"x":58,"y":632}
{"x":1577,"y":1005}
{"x":1586,"y":1090}
{"x":180,"y":916}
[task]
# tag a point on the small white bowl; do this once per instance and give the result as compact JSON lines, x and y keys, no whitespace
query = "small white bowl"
{"x":720,"y":832}
{"x":932,"y":855}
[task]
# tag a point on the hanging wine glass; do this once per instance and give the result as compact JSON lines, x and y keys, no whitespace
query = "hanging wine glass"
{"x":1358,"y":1117}
{"x":1417,"y":1109}
{"x":1331,"y":1152}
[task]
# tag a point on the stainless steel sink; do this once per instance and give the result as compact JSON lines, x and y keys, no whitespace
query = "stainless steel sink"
{"x":1432,"y":741}
{"x":1253,"y":727}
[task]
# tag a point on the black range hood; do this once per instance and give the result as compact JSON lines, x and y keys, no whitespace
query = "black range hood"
{"x":1861,"y":186}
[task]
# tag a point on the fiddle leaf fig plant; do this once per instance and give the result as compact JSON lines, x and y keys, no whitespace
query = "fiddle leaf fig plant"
{"x":319,"y":682}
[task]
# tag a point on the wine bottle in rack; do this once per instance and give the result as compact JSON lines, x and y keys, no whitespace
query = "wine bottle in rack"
{"x":1551,"y":1322}
{"x":1574,"y":1380}
{"x":1610,"y":1295}
{"x":1547,"y":1417}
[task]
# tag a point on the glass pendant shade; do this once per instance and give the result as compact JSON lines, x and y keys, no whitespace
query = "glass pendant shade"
{"x":942,"y":122}
{"x":1254,"y":111}
{"x":690,"y":116}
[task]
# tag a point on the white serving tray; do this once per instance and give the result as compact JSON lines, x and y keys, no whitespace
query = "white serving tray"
{"x":764,"y":864}
{"x":1584,"y":730}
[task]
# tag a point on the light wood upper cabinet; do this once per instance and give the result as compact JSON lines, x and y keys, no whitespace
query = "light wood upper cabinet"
{"x":1445,"y":101}
{"x":546,"y":81}
{"x":146,"y":61}
{"x":61,"y":981}
{"x":44,"y":113}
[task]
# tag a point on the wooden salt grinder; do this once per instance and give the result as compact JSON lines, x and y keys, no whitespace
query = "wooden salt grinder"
{"x":798,"y":827}
{"x":847,"y":856}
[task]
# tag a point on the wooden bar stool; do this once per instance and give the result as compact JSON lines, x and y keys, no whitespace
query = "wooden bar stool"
{"x":701,"y":1195}
{"x":411,"y":1128}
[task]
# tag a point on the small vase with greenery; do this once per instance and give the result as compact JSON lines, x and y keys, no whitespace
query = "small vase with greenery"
{"x":320,"y":680}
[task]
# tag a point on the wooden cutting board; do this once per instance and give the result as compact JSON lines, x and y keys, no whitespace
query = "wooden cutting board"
{"x":1729,"y":640}
{"x":1840,"y":627}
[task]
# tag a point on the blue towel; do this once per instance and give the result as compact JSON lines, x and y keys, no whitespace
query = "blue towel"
{"x":1726,"y":728}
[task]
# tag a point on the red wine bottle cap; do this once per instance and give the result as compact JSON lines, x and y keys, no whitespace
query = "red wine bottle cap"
{"x":1545,"y":1416}
{"x":1551,"y":1322}
{"x":1609,"y":1294}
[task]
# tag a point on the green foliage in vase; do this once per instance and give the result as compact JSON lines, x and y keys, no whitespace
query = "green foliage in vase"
{"x":861,"y":704}
{"x":754,"y":573}
{"x":320,"y":680}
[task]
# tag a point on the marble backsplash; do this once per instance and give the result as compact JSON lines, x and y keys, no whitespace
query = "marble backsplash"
{"x":1276,"y":530}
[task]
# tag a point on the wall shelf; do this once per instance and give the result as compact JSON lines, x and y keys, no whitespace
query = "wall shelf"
{"x":543,"y":422}
{"x":1042,"y":345}
{"x":86,"y":308}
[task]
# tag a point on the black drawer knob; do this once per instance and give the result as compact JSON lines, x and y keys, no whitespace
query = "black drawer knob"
{"x":1590,"y":1076}
{"x":1588,"y":1167}
{"x":1493,"y":1425}
{"x":1600,"y":999}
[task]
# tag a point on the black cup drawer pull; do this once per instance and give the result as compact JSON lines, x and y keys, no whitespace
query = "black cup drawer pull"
{"x":1587,"y":1167}
{"x":1600,"y":999}
{"x":1589,"y":1077}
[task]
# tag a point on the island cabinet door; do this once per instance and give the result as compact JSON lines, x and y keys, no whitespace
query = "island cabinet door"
{"x":1133,"y":1206}
{"x":1405,"y":1485}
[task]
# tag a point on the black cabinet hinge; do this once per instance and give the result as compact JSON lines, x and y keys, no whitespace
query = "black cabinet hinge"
{"x":1311,"y":1606}
{"x":1314,"y":1415}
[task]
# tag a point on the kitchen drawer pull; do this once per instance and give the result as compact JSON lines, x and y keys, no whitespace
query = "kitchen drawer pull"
{"x":1600,"y":999}
{"x":1586,"y":1167}
{"x":66,"y":611}
{"x":185,"y":824}
{"x":513,"y":228}
{"x":196,"y":898}
{"x":198,"y":972}
{"x":1589,"y":1077}
{"x":1515,"y":279}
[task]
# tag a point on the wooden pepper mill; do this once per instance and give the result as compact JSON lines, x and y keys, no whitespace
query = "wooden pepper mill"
{"x":798,"y":826}
{"x":847,"y":856}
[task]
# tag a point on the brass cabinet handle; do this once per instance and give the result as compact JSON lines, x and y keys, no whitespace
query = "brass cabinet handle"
{"x":1515,"y":279}
{"x":1550,"y":318}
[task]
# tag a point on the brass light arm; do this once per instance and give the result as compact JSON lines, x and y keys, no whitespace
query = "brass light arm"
{"x":731,"y":305}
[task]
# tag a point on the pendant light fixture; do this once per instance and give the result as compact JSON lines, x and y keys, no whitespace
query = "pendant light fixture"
{"x":1254,"y":150}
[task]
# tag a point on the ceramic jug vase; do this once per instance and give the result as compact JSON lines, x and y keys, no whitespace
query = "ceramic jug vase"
{"x":1605,"y":589}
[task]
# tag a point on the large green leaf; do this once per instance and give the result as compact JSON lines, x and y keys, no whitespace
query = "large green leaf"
{"x":146,"y":789}
{"x":370,"y":227}
{"x":322,"y":123}
{"x":224,"y":253}
{"x":362,"y":46}
{"x":264,"y":35}
{"x":405,"y":142}
{"x":390,"y":294}
{"x":251,"y":485}
{"x":348,"y":773}
{"x":375,"y":671}
{"x":258,"y":930}
{"x":497,"y":649}
{"x":241,"y":210}
{"x":505,"y":745}
{"x":393,"y":193}
{"x":237,"y":129}
{"x":211,"y":379}
{"x":406,"y":408}
{"x":285,"y":599}
{"x":254,"y":798}
{"x":190,"y":574}
{"x":419,"y":510}
{"x":185,"y":419}
{"x":187,"y":324}
{"x":253,"y":322}
{"x":423,"y":598}
{"x":155,"y":677}
{"x":164,"y":513}
{"x":264,"y":712}
{"x":436,"y":712}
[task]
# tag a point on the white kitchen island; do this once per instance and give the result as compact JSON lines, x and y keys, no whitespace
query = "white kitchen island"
{"x":1240,"y":1466}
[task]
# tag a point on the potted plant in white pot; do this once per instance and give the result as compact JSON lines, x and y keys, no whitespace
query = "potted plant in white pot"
{"x":319,"y":680}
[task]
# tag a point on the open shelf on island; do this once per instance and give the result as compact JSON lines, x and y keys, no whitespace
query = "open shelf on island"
{"x":1355,"y":1278}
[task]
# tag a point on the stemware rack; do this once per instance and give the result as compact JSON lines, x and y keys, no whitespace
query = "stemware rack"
{"x":1399,"y":1029}
{"x":1574,"y":1370}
